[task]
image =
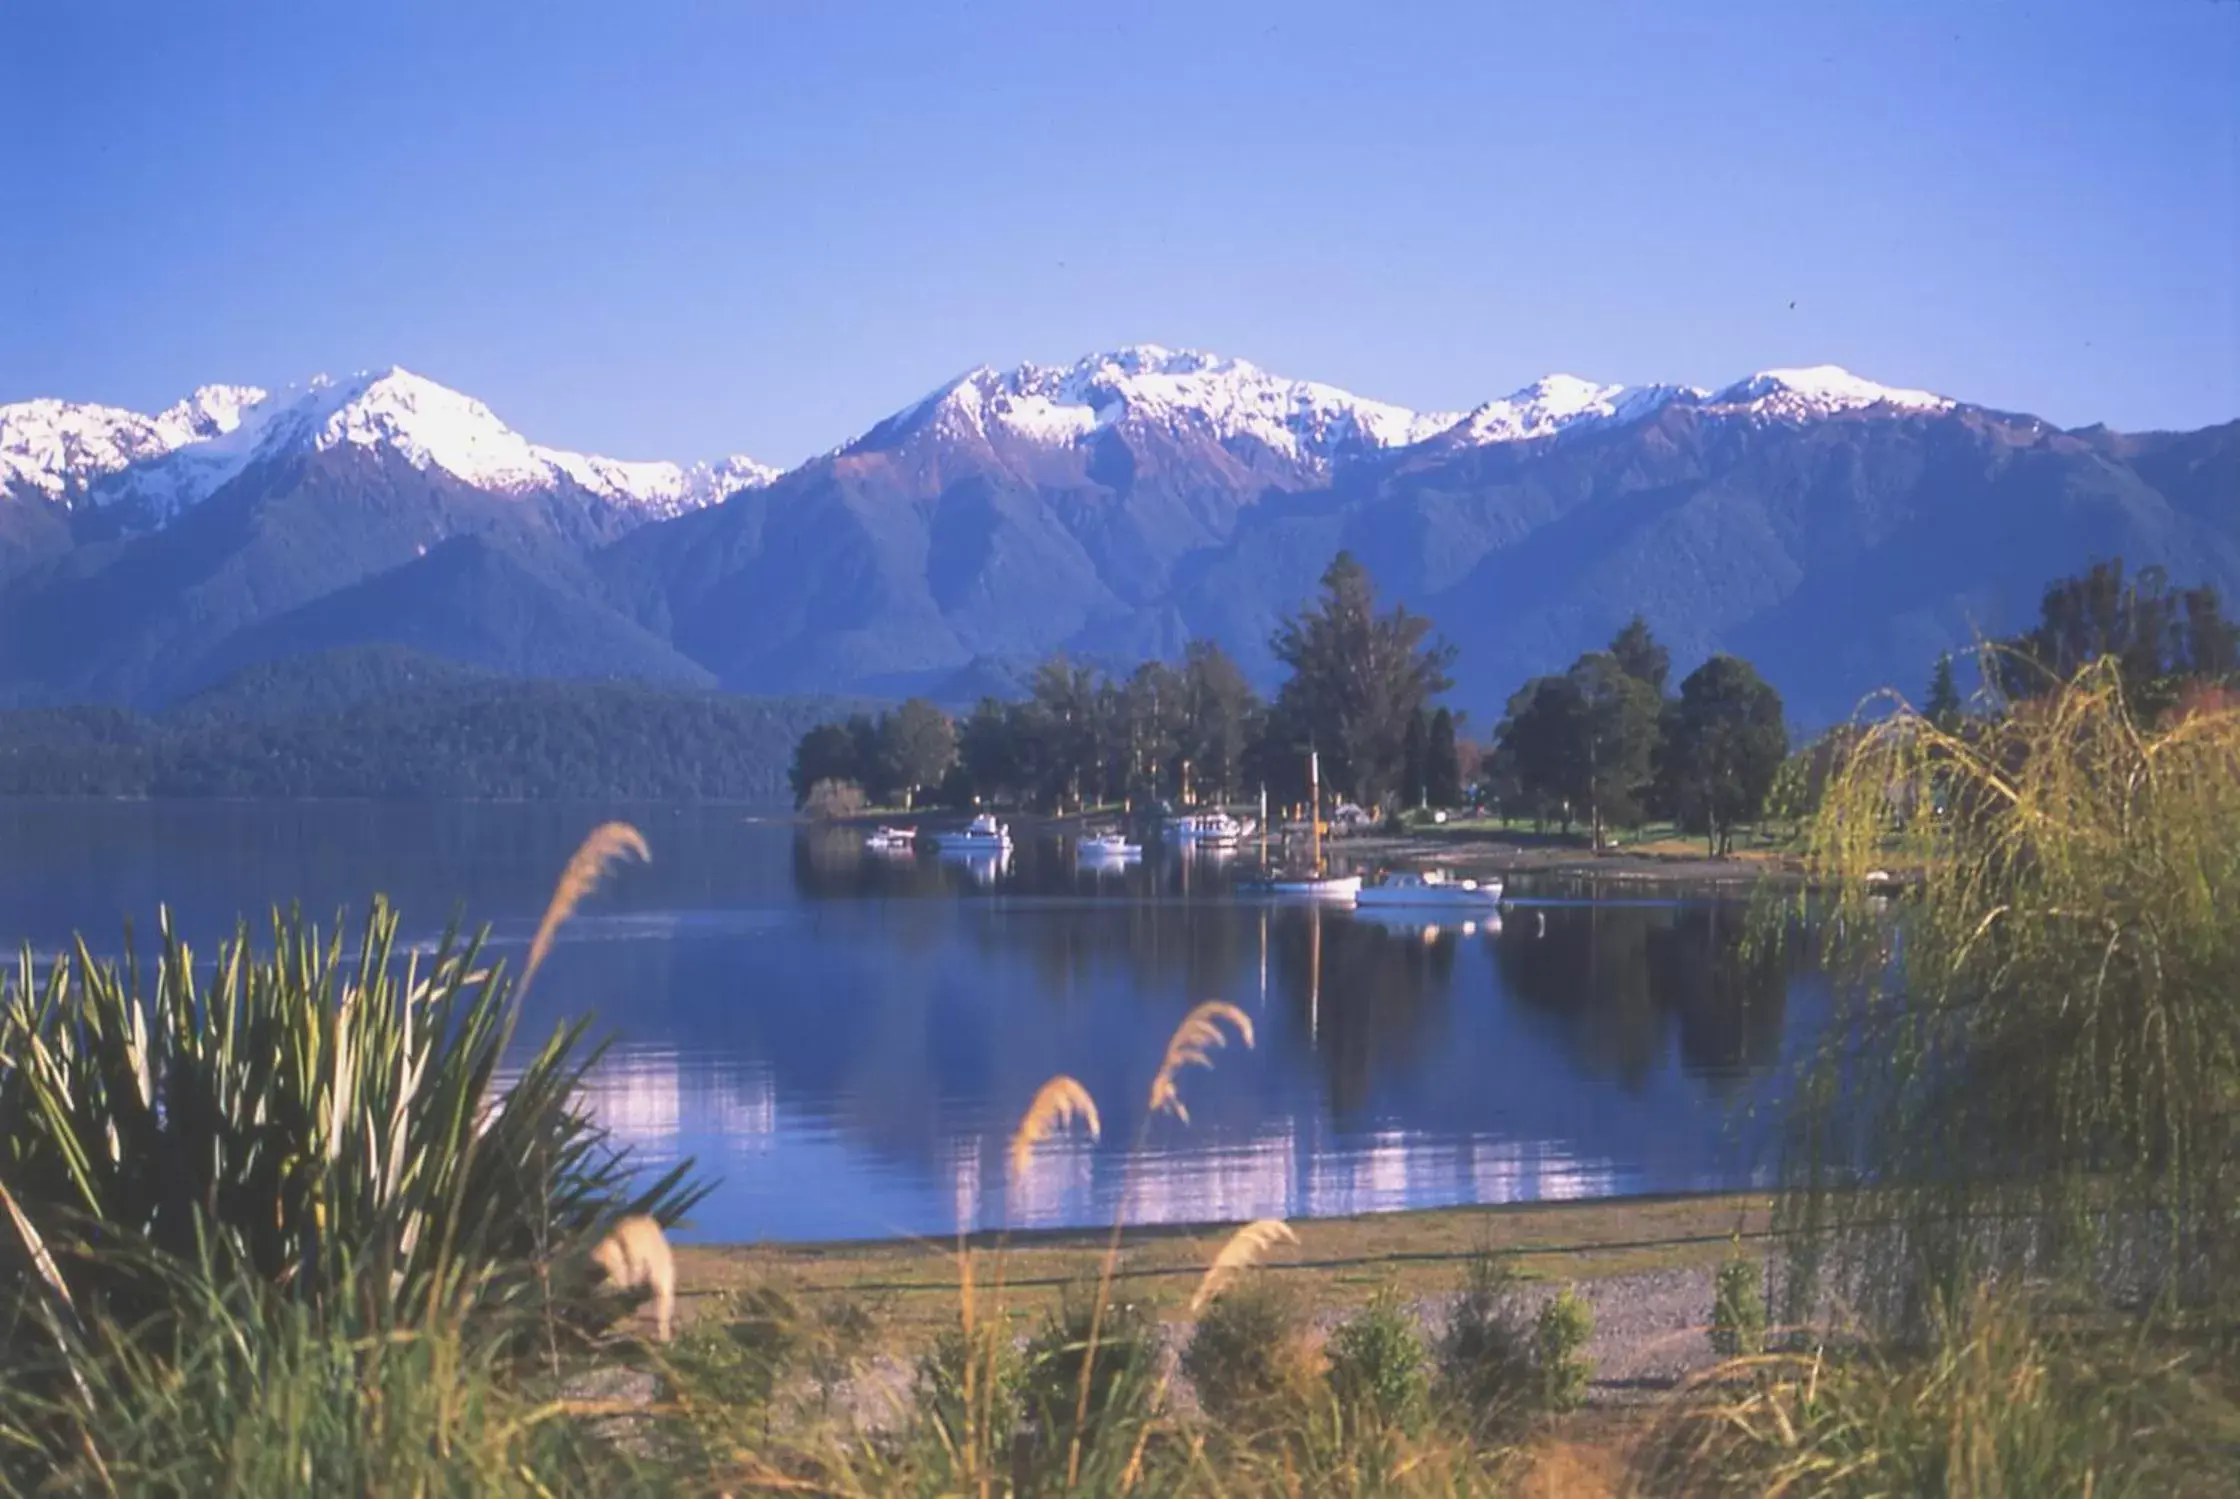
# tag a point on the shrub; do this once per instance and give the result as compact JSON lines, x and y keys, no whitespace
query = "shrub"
{"x":1121,"y":1382}
{"x":1248,"y":1359}
{"x":327,"y":1119}
{"x":834,"y":801}
{"x":1738,"y":1309}
{"x":2001,"y":1402}
{"x":964,"y":1413}
{"x":251,"y":1392}
{"x":1379,"y":1367}
{"x":1485,"y":1356}
{"x":1560,"y":1334}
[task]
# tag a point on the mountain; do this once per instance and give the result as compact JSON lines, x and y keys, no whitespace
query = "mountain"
{"x":1838,"y":531}
{"x":149,"y":553}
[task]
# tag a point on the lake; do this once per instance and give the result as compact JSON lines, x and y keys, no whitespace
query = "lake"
{"x":845,"y":1040}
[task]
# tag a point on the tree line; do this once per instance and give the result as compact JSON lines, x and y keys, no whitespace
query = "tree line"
{"x":1360,"y":692}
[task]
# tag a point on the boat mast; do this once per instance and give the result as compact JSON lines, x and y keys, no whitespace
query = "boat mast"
{"x":1314,"y":806}
{"x":1263,"y":827}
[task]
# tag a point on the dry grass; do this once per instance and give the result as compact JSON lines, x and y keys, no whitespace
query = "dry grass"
{"x":1244,"y":1249}
{"x":607,"y":845}
{"x":1058,"y":1103}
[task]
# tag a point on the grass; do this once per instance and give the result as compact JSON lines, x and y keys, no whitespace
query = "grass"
{"x":1337,"y":1264}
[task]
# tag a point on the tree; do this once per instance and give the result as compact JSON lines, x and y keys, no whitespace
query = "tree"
{"x":1724,"y":742}
{"x":1442,"y":775}
{"x":1221,"y":715}
{"x":991,"y":750}
{"x":917,"y":745}
{"x":1152,"y":722}
{"x":1358,"y":678}
{"x":1943,"y":705}
{"x":1616,"y":728}
{"x":1066,"y":730}
{"x":1640,"y":656}
{"x":826,"y":753}
{"x":1538,"y":744}
{"x":2160,"y":639}
{"x":1415,"y":752}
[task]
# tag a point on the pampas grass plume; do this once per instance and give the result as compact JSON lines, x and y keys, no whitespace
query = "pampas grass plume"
{"x":608,"y":844}
{"x":1056,"y":1104}
{"x":1192,"y":1045}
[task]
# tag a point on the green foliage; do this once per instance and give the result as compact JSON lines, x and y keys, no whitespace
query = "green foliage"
{"x":2033,"y":1067}
{"x":1442,"y":773}
{"x":465,"y":737}
{"x":1738,"y":1307}
{"x":2158,"y":638}
{"x":1359,"y":678}
{"x":966,"y":1399}
{"x":736,"y":1354}
{"x":1247,"y":1358}
{"x":326,"y":1117}
{"x":833,"y":801}
{"x":1090,"y":1381}
{"x":2000,"y":1404}
{"x":1724,"y":742}
{"x":1561,"y":1369}
{"x":1485,"y":1355}
{"x":1942,"y":706}
{"x":239,"y":1389}
{"x":1584,"y":743}
{"x":1380,"y":1366}
{"x":1641,"y":656}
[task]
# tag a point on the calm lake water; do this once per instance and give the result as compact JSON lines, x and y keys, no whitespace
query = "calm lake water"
{"x":845,"y":1040}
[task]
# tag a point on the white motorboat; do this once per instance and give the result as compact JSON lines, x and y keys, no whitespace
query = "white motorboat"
{"x":1210,"y":830}
{"x":982,"y":835}
{"x":1429,"y":889}
{"x":1107,"y":846}
{"x":891,"y":841}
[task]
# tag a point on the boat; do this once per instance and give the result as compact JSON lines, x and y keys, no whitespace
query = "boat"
{"x":891,"y":840}
{"x":1210,"y":830}
{"x":982,"y":835}
{"x":1429,"y":889}
{"x":982,"y":866}
{"x":1312,"y":883}
{"x":1101,"y":846}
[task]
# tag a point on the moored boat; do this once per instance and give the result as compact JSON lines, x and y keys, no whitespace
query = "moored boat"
{"x":1101,"y":846}
{"x":982,"y":835}
{"x":885,"y":840}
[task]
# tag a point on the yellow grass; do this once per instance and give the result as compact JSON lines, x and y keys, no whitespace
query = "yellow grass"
{"x":1058,"y":1103}
{"x":607,"y":845}
{"x":1192,"y":1045}
{"x":1243,"y":1250}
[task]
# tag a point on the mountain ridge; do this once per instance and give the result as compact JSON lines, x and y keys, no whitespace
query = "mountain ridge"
{"x":1838,"y":530}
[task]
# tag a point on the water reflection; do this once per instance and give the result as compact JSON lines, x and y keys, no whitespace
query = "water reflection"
{"x":846,"y":1039}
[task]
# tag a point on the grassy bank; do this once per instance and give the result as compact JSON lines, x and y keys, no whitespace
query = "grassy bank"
{"x":1338,"y":1263}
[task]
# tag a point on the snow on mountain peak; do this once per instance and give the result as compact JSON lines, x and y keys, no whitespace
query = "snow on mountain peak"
{"x":1820,"y":390}
{"x":162,"y":464}
{"x":1231,"y":399}
{"x":1560,"y":403}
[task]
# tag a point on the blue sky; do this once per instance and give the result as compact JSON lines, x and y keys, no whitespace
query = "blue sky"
{"x":678,"y":230}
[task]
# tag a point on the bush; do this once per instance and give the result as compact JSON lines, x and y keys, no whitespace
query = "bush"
{"x":1379,"y":1367}
{"x":251,"y":1392}
{"x":1122,"y":1378}
{"x":966,"y":1399}
{"x":2001,"y":1402}
{"x":1248,"y":1358}
{"x":834,"y":801}
{"x":1561,"y":1367}
{"x":321,"y":1117}
{"x":1485,"y":1356}
{"x":1738,"y":1309}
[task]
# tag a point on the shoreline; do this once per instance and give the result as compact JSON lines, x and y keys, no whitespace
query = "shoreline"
{"x":1338,"y":1262}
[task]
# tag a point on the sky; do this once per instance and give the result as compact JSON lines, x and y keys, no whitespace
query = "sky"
{"x":681,"y":230}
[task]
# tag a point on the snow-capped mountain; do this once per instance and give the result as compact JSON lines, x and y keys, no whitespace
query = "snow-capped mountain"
{"x":1821,"y":390}
{"x":161,"y":465}
{"x":59,"y":449}
{"x":1184,"y":392}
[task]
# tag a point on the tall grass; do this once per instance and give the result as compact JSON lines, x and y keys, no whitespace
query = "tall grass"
{"x":2014,"y":1164}
{"x":2036,"y":1069}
